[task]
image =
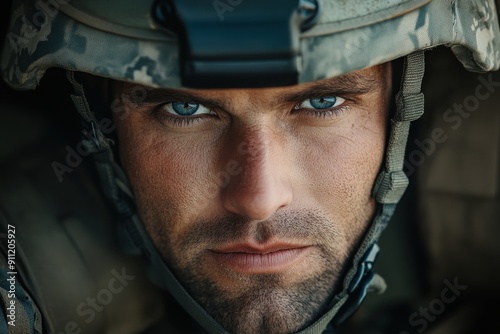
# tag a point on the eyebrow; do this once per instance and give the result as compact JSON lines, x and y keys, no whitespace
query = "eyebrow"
{"x":162,"y":95}
{"x":349,"y":84}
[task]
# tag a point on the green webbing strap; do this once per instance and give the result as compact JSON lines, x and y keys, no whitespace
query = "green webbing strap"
{"x":100,"y":147}
{"x":162,"y":276}
{"x":392,"y":181}
{"x":136,"y":238}
{"x":389,"y":187}
{"x":134,"y":235}
{"x":341,"y":299}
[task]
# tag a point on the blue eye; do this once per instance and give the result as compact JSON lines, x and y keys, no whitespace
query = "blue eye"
{"x":185,"y":108}
{"x":322,"y":103}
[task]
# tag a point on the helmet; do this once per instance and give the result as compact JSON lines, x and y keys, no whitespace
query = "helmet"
{"x":202,"y":44}
{"x":75,"y":35}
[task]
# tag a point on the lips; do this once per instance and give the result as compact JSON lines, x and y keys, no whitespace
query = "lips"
{"x":271,"y":258}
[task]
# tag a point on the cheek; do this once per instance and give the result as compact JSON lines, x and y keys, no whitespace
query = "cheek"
{"x":169,"y":181}
{"x":342,"y":167}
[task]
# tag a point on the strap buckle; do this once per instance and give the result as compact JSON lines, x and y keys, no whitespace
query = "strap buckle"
{"x":359,"y":286}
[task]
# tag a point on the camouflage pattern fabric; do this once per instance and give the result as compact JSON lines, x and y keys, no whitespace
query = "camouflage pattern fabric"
{"x":346,"y":38}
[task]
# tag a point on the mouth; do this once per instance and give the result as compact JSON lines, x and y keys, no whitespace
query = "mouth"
{"x":265,"y":259}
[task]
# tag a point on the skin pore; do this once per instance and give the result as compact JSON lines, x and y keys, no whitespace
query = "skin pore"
{"x":257,"y":198}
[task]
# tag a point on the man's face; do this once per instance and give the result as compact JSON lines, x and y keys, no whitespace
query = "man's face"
{"x":256,"y":198}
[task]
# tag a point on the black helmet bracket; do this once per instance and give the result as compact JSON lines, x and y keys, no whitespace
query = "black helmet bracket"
{"x":237,"y":43}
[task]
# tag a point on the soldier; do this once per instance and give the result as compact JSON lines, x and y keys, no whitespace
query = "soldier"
{"x":249,"y":151}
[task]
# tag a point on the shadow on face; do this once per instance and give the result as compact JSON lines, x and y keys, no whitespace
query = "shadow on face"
{"x":256,"y":198}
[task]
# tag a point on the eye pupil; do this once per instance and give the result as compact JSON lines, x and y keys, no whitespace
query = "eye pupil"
{"x":185,"y":108}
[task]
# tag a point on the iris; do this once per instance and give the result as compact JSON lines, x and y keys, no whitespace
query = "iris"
{"x":323,"y":102}
{"x":185,"y":108}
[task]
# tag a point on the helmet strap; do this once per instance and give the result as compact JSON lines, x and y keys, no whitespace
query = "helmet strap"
{"x":388,"y":189}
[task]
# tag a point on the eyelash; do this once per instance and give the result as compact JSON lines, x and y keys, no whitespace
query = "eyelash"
{"x":324,"y":113}
{"x":163,"y":116}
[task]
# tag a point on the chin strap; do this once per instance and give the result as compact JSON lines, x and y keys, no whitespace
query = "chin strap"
{"x":392,"y":181}
{"x":388,"y":189}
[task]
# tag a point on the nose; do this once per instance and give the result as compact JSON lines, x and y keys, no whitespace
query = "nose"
{"x":261,"y":186}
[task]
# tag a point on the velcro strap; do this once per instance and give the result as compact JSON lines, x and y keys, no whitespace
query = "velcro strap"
{"x":390,"y":187}
{"x":411,"y":107}
{"x":82,"y":107}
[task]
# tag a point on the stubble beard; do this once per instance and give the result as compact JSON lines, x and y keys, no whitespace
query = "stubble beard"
{"x":263,"y":303}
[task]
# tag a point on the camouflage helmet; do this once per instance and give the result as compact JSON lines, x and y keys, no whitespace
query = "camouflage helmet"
{"x":348,"y":35}
{"x":134,"y":41}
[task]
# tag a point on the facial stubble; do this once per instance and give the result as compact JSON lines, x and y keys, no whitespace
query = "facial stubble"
{"x":262,"y":303}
